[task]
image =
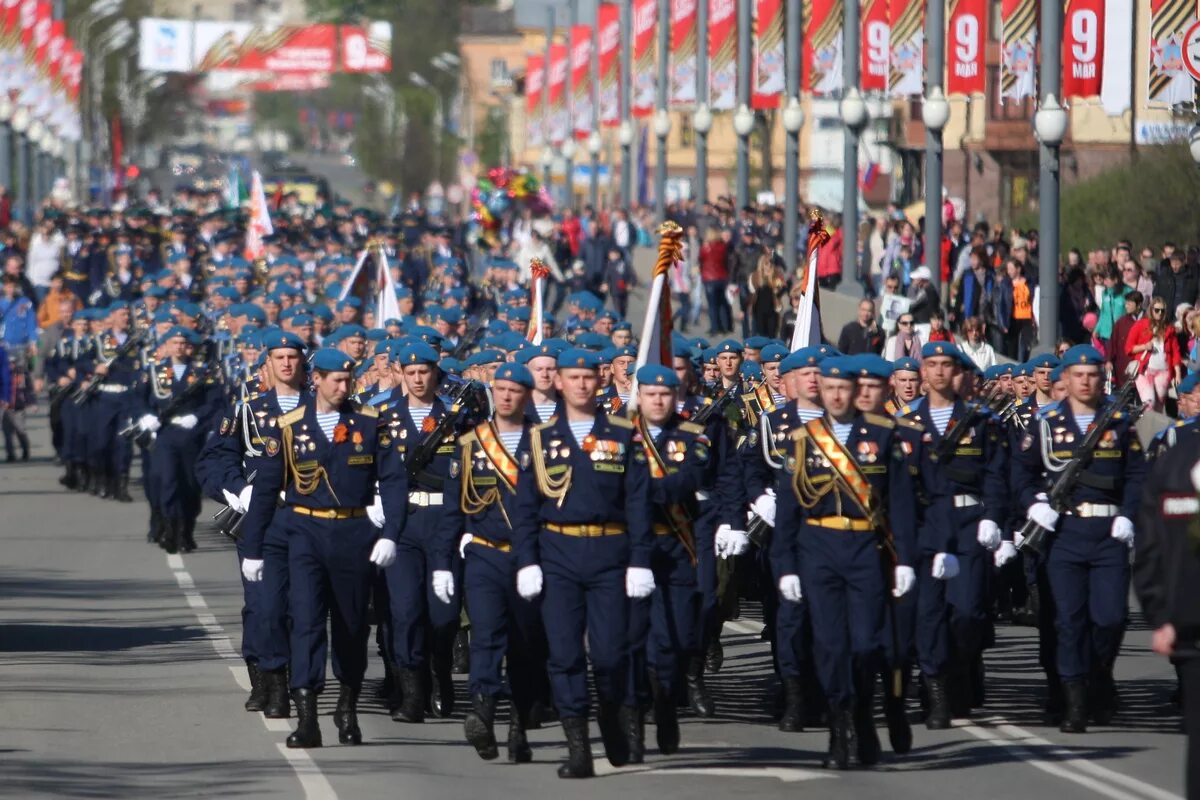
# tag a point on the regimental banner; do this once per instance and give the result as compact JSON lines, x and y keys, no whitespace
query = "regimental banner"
{"x":768,"y":83}
{"x":1082,"y":49}
{"x":722,"y":54}
{"x":581,"y":81}
{"x":965,"y":37}
{"x":1018,"y":49}
{"x":1170,"y":82}
{"x":608,"y":25}
{"x":906,"y":41}
{"x":645,"y":14}
{"x":176,"y":45}
{"x":875,"y":47}
{"x":535,"y":79}
{"x":683,"y":53}
{"x":366,"y":49}
{"x":559,"y":122}
{"x":823,"y":47}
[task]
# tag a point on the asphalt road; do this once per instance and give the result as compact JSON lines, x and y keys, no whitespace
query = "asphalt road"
{"x":120,"y":677}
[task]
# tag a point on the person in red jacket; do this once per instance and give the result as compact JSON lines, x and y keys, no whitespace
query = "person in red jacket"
{"x":1155,"y":349}
{"x":714,"y":274}
{"x":1117,"y":355}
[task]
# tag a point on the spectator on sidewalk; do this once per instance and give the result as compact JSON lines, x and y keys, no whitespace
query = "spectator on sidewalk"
{"x":1118,"y":355}
{"x":861,"y":335}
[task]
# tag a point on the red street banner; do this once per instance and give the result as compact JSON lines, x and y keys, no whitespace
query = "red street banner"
{"x":823,"y":48}
{"x":366,"y":49}
{"x":1083,"y":48}
{"x":1018,"y":49}
{"x":608,"y":25}
{"x":535,"y":77}
{"x":1169,"y":80}
{"x":288,"y":48}
{"x":964,"y":50}
{"x":906,"y":40}
{"x":645,"y":14}
{"x":581,"y":81}
{"x":767,"y":85}
{"x":876,"y":34}
{"x":683,"y":53}
{"x":559,"y":123}
{"x":722,"y":54}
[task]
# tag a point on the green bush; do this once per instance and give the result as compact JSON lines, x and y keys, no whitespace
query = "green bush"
{"x":1148,"y":201}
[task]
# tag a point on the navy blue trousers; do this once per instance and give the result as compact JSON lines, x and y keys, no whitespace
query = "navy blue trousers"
{"x":416,"y":617}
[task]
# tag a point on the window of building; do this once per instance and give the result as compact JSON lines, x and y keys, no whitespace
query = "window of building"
{"x":500,"y":75}
{"x":1005,"y":109}
{"x":686,"y":134}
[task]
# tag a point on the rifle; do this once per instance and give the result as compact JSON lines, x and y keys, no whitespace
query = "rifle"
{"x":718,"y":405}
{"x":958,"y":428}
{"x":229,"y":521}
{"x":466,"y":397}
{"x":468,"y":340}
{"x":1059,"y":495}
{"x":132,"y":431}
{"x":88,"y":390}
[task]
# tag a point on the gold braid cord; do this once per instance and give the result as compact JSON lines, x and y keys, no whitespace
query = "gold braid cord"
{"x":306,"y":480}
{"x":552,"y":488}
{"x":471,"y":499}
{"x":670,"y":246}
{"x":808,"y":492}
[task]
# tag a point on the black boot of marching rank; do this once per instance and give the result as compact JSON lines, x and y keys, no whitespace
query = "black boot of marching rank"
{"x":441,"y":700}
{"x":792,"y":720}
{"x":70,"y":479}
{"x":1076,"y":717}
{"x":257,"y":700}
{"x":939,"y":704}
{"x":616,"y":746}
{"x":171,"y":532}
{"x":519,"y":751}
{"x":633,"y":724}
{"x":895,"y":710}
{"x":345,"y":716}
{"x":579,"y":750}
{"x":99,"y":486}
{"x":697,"y":692}
{"x":308,"y":731}
{"x":187,"y":541}
{"x":84,"y":483}
{"x":864,"y":718}
{"x":666,"y":720}
{"x":479,"y":726}
{"x":275,"y":684}
{"x":462,"y":652}
{"x":412,"y":704}
{"x":121,"y":489}
{"x":155,"y":534}
{"x":842,"y":743}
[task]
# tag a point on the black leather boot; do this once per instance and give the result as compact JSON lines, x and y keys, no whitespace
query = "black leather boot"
{"x":841,"y":725}
{"x":85,"y":479}
{"x":345,"y":716}
{"x":633,"y":724}
{"x":939,"y":704}
{"x":715,"y":657}
{"x":308,"y":731}
{"x":1102,"y":696}
{"x":155,"y":534}
{"x":412,"y":705}
{"x":666,"y":719}
{"x":462,"y":652}
{"x":579,"y":750}
{"x":99,"y":487}
{"x":792,"y":720}
{"x":1076,"y":717}
{"x":277,"y":706}
{"x":519,"y":751}
{"x":697,"y":691}
{"x":479,"y":726}
{"x":895,"y":710}
{"x":868,"y":749}
{"x":441,"y":700}
{"x":171,"y":531}
{"x":388,"y":687}
{"x":70,"y":478}
{"x":121,"y":488}
{"x":188,"y":539}
{"x":616,"y":746}
{"x":257,"y":700}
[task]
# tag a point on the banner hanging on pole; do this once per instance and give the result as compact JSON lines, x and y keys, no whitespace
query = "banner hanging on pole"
{"x":965,"y":46}
{"x":1018,"y":49}
{"x":906,"y":43}
{"x":645,"y":16}
{"x":769,"y":57}
{"x":722,"y":54}
{"x":581,"y":81}
{"x":683,"y":53}
{"x":608,"y":43}
{"x":822,"y":48}
{"x":875,"y":48}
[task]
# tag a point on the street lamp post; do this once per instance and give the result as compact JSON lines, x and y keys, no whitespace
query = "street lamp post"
{"x":702,"y":117}
{"x":568,"y":153}
{"x":20,"y":124}
{"x":1050,"y":124}
{"x":853,"y":110}
{"x":793,"y":120}
{"x":594,"y":146}
{"x":6,"y":112}
{"x":626,"y":130}
{"x":743,"y":118}
{"x":547,"y":108}
{"x":935,"y":27}
{"x":594,"y":143}
{"x":547,"y":164}
{"x":662,"y":119}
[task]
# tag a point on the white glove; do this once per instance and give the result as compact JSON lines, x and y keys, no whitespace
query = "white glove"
{"x":187,"y":421}
{"x":945,"y":566}
{"x":701,"y":496}
{"x":232,"y":501}
{"x":1004,"y":554}
{"x":1043,"y":515}
{"x":252,"y":569}
{"x":639,"y":582}
{"x":764,"y":506}
{"x":529,"y":581}
{"x":1018,"y":538}
{"x":988,"y":534}
{"x":244,"y":498}
{"x":443,"y":585}
{"x":375,"y":512}
{"x":383,"y":553}
{"x":1122,"y":530}
{"x":736,"y":543}
{"x":789,"y":588}
{"x":462,"y":544}
{"x":905,"y":580}
{"x":149,"y":423}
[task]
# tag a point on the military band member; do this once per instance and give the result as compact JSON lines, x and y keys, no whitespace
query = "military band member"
{"x":115,"y":374}
{"x":328,"y":459}
{"x":583,"y":532}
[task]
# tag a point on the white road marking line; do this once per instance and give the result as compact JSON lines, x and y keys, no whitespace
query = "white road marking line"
{"x":316,"y":786}
{"x":312,"y":780}
{"x":744,"y":626}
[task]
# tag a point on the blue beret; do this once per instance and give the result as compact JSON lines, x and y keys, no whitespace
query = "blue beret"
{"x":870,"y":365}
{"x":549,"y":348}
{"x":163,"y":315}
{"x":838,"y":367}
{"x":1082,"y":355}
{"x":1023,"y":370}
{"x":606,"y":355}
{"x":758,"y":342}
{"x":403,"y":293}
{"x":751,"y":371}
{"x":349,"y":302}
{"x":729,"y":346}
{"x":1189,"y":383}
{"x":657,"y":375}
{"x":329,"y":360}
{"x":1056,"y":374}
{"x":906,"y":364}
{"x":373,"y":335}
{"x":578,"y":358}
{"x":321,"y":311}
{"x":993,"y":372}
{"x":303,"y":319}
{"x":520,"y":313}
{"x":625,"y":351}
{"x":772,"y":353}
{"x":452,"y":365}
{"x":117,"y":304}
{"x":947,"y":349}
{"x":175,"y":330}
{"x":1049,"y":360}
{"x":383,"y":347}
{"x":489,"y":357}
{"x":228,"y":292}
{"x":517,"y":373}
{"x":418,"y":353}
{"x":623,"y":325}
{"x":281,"y":340}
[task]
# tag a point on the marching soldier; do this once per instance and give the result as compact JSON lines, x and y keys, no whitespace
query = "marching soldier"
{"x":583,"y":530}
{"x":328,"y":459}
{"x":117,"y":370}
